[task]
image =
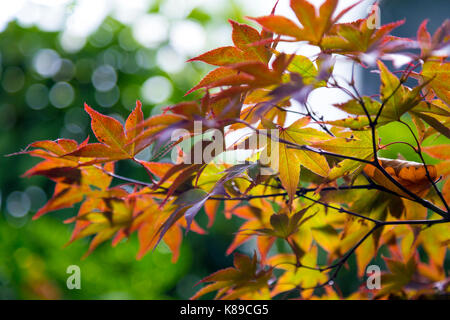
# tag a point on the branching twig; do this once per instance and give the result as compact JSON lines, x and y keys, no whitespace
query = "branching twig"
{"x":419,"y":152}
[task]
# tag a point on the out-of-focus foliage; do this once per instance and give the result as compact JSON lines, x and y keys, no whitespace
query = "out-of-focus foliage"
{"x":45,"y":77}
{"x":34,"y":267}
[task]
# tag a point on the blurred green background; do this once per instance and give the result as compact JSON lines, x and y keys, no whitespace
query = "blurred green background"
{"x":57,"y":54}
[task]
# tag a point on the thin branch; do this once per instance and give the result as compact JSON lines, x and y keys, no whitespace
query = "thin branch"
{"x":133,"y":181}
{"x":337,"y":266}
{"x":291,"y":111}
{"x":129,"y":180}
{"x":313,"y":115}
{"x":419,"y":152}
{"x":340,"y":209}
{"x":375,"y":162}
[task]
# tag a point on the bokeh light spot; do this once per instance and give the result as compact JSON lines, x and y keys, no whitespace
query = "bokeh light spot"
{"x":37,"y":96}
{"x":37,"y":197}
{"x":102,"y":37}
{"x":47,"y":62}
{"x":104,"y":78}
{"x":145,"y":59}
{"x":169,"y":60}
{"x":108,"y":98}
{"x":156,"y":89}
{"x":150,"y":30}
{"x":13,"y":79}
{"x":71,"y":43}
{"x":188,"y":37}
{"x":66,"y":71}
{"x":18,"y":204}
{"x":61,"y":95}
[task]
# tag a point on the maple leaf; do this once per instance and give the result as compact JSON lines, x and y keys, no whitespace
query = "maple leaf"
{"x":442,"y":168}
{"x":113,"y":215}
{"x":147,"y":222}
{"x":304,"y":67}
{"x":357,"y":39}
{"x":411,"y":175}
{"x":284,"y":226}
{"x":56,"y":165}
{"x":249,"y":230}
{"x":360,"y":122}
{"x":438,"y":151}
{"x":397,"y":98}
{"x":243,"y":280}
{"x":116,"y":142}
{"x":401,"y":273}
{"x":281,"y":25}
{"x":247,"y":39}
{"x":438,"y":124}
{"x":74,"y":181}
{"x":314,"y":24}
{"x":354,"y":231}
{"x":256,"y":87}
{"x":430,"y":45}
{"x":287,"y":160}
{"x":219,"y":76}
{"x":435,"y":242}
{"x":69,"y":192}
{"x":439,"y":74}
{"x":356,"y":144}
{"x":406,"y":101}
{"x":294,"y":277}
{"x":245,"y":49}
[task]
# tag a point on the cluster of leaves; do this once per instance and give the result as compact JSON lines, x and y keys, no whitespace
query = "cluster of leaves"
{"x":331,"y":192}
